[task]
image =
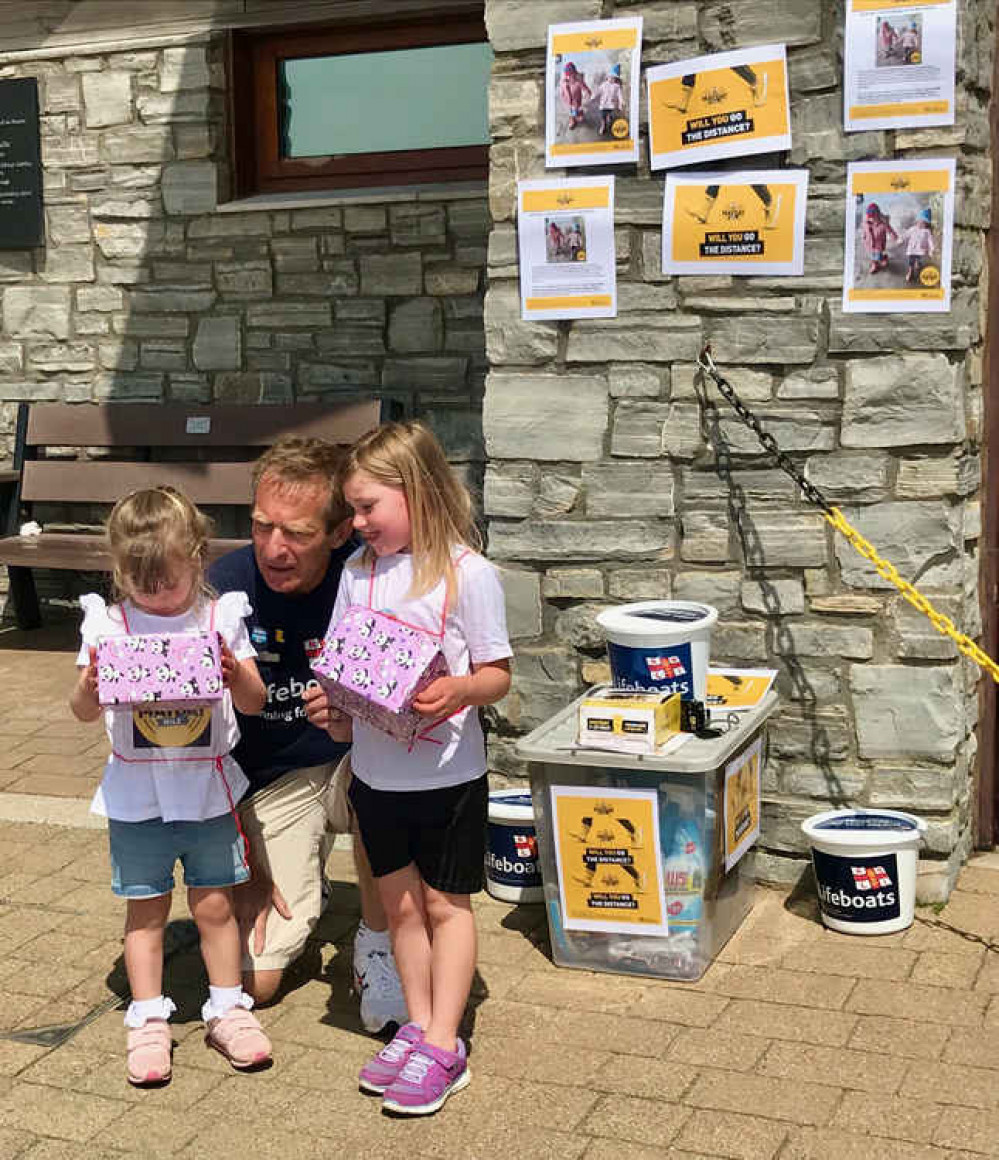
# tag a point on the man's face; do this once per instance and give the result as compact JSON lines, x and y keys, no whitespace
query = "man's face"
{"x":290,"y":540}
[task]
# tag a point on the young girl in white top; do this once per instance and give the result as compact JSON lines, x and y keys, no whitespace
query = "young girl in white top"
{"x":170,"y":786}
{"x":422,"y":811}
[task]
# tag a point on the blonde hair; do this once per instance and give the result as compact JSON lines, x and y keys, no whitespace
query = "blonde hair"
{"x":294,"y":462}
{"x":408,"y":455}
{"x":149,"y":531}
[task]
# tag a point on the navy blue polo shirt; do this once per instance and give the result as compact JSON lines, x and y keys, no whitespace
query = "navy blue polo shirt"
{"x":284,"y":630}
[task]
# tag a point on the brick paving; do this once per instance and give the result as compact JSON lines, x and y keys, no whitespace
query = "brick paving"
{"x":798,"y":1043}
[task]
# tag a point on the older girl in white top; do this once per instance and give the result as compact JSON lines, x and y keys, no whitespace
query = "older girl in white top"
{"x":422,"y":811}
{"x":170,"y":787}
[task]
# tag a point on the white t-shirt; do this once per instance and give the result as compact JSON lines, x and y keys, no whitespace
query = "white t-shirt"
{"x":182,"y":783}
{"x":475,"y":633}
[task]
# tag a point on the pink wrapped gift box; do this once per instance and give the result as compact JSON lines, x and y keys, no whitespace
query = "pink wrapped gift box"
{"x":171,"y":668}
{"x":373,"y":667}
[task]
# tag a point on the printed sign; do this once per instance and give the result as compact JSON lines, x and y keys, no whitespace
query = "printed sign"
{"x":727,"y":105}
{"x":512,"y":856}
{"x":742,"y":802}
{"x":899,"y":63}
{"x":609,"y":860}
{"x":899,"y":236}
{"x":668,"y":670}
{"x":735,"y":223}
{"x":565,"y":231}
{"x":734,"y":690}
{"x":22,"y":221}
{"x":857,"y":888}
{"x":591,"y":107}
{"x":171,"y":728}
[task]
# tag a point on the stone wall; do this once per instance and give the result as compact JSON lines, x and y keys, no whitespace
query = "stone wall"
{"x":147,"y":289}
{"x":610,"y":479}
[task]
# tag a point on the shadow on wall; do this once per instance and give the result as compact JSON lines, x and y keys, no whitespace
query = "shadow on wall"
{"x":780,"y":643}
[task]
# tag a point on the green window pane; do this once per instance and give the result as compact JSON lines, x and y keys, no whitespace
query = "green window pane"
{"x":380,"y":102}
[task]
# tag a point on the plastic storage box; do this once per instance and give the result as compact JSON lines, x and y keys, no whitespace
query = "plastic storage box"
{"x":642,"y":856}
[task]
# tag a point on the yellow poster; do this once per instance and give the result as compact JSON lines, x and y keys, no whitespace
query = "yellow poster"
{"x":742,"y":802}
{"x":733,"y":690}
{"x":899,"y":236}
{"x":591,"y":105}
{"x":609,"y":860}
{"x":710,"y":107}
{"x":735,"y":223}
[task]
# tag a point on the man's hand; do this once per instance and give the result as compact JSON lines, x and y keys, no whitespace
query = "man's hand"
{"x":322,"y":714}
{"x":254,"y":901}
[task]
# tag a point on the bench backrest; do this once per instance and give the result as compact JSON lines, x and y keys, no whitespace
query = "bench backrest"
{"x":210,"y":449}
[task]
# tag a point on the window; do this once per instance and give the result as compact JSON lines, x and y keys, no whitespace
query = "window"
{"x":390,"y":104}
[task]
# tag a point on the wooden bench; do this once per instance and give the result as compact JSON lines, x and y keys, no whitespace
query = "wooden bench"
{"x":94,"y":453}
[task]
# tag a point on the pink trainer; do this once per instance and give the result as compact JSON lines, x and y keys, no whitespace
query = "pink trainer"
{"x":240,"y":1038}
{"x":149,"y":1049}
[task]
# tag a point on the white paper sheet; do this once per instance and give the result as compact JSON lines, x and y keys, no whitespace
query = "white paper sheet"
{"x":565,"y":231}
{"x":899,"y":64}
{"x":899,"y":236}
{"x":591,"y":94}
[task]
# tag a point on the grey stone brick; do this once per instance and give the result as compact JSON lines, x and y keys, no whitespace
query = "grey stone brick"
{"x":107,"y":98}
{"x":910,"y":535}
{"x":217,"y":344}
{"x":906,"y":711}
{"x":416,"y":325}
{"x":522,"y":590}
{"x":546,"y":417}
{"x":628,"y":489}
{"x":579,"y":540}
{"x":391,"y":274}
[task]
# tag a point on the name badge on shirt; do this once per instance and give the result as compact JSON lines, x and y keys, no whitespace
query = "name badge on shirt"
{"x":172,"y":728}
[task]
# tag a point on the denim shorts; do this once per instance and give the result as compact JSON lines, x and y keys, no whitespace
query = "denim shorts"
{"x":143,"y":855}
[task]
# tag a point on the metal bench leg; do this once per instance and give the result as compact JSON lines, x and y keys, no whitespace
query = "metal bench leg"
{"x":24,"y":597}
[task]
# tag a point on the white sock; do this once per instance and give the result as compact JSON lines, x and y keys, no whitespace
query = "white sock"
{"x":140,"y":1011}
{"x":223,"y":999}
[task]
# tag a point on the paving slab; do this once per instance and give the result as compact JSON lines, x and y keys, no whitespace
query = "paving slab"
{"x":797,"y":1044}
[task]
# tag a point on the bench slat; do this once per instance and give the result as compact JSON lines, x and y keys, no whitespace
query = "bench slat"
{"x":79,"y":552}
{"x":102,"y":481}
{"x":176,"y":425}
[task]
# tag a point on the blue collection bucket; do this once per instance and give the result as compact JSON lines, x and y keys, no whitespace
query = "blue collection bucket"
{"x":865,"y":868}
{"x":663,"y":645}
{"x":513,"y":873}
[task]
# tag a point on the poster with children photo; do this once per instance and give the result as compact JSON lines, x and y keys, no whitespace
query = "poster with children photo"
{"x":899,"y":64}
{"x":591,"y":95}
{"x":899,"y":236}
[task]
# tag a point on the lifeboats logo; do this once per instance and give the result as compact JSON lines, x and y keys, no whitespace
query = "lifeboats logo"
{"x":665,"y":668}
{"x":526,"y":845}
{"x":870,"y":877}
{"x":854,"y":890}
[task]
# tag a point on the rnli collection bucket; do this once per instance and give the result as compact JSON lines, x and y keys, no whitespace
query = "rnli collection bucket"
{"x":660,"y":644}
{"x":865,"y":868}
{"x":512,"y":870}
